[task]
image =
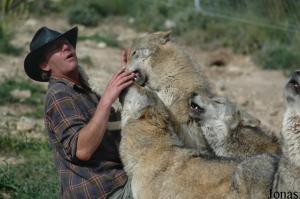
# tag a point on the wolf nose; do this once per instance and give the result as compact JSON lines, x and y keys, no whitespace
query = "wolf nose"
{"x":137,"y":72}
{"x":139,"y":77}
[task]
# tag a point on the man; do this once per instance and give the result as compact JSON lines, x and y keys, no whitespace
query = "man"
{"x":85,"y":151}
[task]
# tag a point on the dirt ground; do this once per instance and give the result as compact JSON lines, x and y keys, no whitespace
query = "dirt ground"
{"x":256,"y":90}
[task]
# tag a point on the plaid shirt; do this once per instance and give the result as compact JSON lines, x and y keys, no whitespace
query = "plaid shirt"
{"x":68,"y":108}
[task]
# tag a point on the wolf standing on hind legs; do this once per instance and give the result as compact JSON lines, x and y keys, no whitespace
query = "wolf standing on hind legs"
{"x":286,"y":180}
{"x":165,"y":68}
{"x":157,"y":166}
{"x":287,"y":177}
{"x":229,"y":131}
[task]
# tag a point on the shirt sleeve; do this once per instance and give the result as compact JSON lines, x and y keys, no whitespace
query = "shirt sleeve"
{"x":65,"y":122}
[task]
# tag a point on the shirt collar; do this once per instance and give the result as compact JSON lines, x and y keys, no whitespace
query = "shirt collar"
{"x":80,"y":87}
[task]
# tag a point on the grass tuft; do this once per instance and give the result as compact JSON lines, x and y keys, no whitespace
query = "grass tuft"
{"x":5,"y":46}
{"x":35,"y":100}
{"x":34,"y":178}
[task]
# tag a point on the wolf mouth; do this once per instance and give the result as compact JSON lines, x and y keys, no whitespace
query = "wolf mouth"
{"x":294,"y":85}
{"x":140,"y":78}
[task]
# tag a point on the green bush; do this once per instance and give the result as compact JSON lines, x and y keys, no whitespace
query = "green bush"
{"x":83,"y":15}
{"x":90,"y":12}
{"x":10,"y":11}
{"x":265,"y":22}
{"x":5,"y":46}
{"x":278,"y":56}
{"x":151,"y":15}
{"x":245,"y":26}
{"x":45,"y":7}
{"x":109,"y":40}
{"x":110,"y":7}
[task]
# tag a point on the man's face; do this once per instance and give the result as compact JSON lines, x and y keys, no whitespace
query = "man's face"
{"x":60,"y":59}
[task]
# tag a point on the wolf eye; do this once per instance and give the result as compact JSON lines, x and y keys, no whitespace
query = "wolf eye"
{"x":194,"y":94}
{"x":146,"y":52}
{"x":197,"y":108}
{"x":133,"y":53}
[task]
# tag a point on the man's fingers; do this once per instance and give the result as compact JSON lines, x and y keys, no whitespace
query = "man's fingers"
{"x":121,"y":70}
{"x":125,"y":79}
{"x":128,"y":54}
{"x":123,"y":58}
{"x":125,"y":55}
{"x":122,"y":86}
{"x":124,"y":74}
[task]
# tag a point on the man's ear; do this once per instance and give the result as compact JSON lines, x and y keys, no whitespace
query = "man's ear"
{"x":44,"y":66}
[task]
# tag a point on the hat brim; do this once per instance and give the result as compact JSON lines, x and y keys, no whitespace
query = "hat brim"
{"x":32,"y":60}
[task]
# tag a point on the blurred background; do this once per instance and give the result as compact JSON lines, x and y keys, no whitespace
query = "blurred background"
{"x":246,"y":49}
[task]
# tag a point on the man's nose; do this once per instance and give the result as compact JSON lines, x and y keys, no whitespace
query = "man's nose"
{"x":66,"y":46}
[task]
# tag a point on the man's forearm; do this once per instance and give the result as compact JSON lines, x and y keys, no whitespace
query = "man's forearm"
{"x":90,"y":136}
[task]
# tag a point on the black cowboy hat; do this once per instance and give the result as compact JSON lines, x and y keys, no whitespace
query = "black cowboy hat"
{"x":41,"y":40}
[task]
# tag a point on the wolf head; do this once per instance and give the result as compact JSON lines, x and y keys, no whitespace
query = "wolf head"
{"x":168,"y":71}
{"x":160,"y":62}
{"x":229,"y":131}
{"x":143,"y":54}
{"x":217,"y":110}
{"x":291,"y":122}
{"x":217,"y":117}
{"x":292,"y":92}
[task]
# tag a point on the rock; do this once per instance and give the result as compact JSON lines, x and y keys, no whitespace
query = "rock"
{"x":4,"y":113}
{"x":21,"y":94}
{"x":5,"y":196}
{"x":26,"y":124}
{"x":131,"y":20}
{"x":235,"y":70}
{"x":31,"y":23}
{"x":169,"y":24}
{"x":102,"y":45}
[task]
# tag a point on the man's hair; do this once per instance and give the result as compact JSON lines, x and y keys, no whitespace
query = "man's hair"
{"x":45,"y":75}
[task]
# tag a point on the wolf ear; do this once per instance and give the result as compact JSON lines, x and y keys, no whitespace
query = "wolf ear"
{"x":165,"y":37}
